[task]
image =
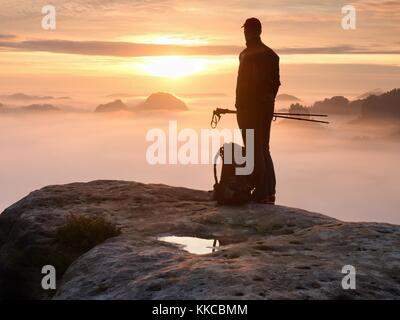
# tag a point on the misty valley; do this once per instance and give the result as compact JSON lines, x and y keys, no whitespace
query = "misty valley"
{"x":347,"y":169}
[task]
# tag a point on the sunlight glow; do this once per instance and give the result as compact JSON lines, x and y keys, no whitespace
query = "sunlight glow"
{"x":173,"y":67}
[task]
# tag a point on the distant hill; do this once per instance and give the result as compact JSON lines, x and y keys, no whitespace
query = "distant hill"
{"x":286,"y":97}
{"x":39,"y":108}
{"x":386,"y":105}
{"x":298,"y":108}
{"x":337,"y":105}
{"x":305,"y":114}
{"x":163,"y":102}
{"x":115,"y":106}
{"x":374,"y":92}
{"x":376,"y":104}
{"x":23,"y":96}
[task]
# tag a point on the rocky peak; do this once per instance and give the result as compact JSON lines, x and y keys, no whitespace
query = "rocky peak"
{"x":264,"y":251}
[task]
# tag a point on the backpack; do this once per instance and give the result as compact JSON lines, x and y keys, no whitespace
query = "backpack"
{"x":231,"y":189}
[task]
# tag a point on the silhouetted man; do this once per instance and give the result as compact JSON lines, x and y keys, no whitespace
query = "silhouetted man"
{"x":257,"y":86}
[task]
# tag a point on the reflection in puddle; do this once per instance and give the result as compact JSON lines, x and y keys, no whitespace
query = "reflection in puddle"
{"x":192,"y":244}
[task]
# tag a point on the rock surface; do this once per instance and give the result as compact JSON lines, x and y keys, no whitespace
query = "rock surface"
{"x":266,"y":252}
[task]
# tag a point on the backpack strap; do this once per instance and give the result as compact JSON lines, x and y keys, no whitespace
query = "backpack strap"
{"x":215,"y":173}
{"x":220,"y":153}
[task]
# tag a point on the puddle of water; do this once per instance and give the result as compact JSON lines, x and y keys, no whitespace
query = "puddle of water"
{"x":192,"y":244}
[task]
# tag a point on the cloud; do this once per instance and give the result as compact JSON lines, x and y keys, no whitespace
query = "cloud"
{"x":70,"y":7}
{"x":286,"y":22}
{"x":118,"y":49}
{"x":7,"y":36}
{"x":342,"y":49}
{"x":127,"y":49}
{"x":23,"y":96}
{"x":388,"y":7}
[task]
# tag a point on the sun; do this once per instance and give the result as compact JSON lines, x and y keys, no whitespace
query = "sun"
{"x":172,"y":66}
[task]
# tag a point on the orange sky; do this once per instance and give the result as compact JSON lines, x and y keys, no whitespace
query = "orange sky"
{"x":140,"y":46}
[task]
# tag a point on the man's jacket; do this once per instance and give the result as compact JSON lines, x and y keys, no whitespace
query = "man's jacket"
{"x":258,"y":78}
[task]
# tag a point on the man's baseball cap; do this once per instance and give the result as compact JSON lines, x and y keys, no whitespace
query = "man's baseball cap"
{"x":253,"y":24}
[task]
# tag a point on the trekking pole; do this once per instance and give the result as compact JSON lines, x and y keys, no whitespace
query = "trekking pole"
{"x":216,"y":117}
{"x":302,"y":119}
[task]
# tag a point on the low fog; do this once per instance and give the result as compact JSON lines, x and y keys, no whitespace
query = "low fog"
{"x":349,"y":171}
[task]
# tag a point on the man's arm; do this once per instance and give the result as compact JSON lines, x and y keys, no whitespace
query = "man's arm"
{"x":276,"y":76}
{"x":238,"y":84}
